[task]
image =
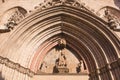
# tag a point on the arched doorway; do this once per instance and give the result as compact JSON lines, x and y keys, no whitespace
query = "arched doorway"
{"x":85,"y":33}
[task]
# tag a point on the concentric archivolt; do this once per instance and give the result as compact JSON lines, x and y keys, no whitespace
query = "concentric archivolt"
{"x":85,"y":33}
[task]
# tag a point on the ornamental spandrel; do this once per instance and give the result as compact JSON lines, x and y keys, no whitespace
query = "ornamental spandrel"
{"x":11,"y":18}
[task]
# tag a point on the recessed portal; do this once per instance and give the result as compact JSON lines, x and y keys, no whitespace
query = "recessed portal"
{"x":61,"y":60}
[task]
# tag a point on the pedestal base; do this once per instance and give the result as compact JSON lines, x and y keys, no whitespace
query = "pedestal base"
{"x":63,"y":70}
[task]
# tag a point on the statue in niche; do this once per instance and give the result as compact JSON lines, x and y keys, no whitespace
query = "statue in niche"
{"x":61,"y":61}
{"x":55,"y":68}
{"x":61,"y":64}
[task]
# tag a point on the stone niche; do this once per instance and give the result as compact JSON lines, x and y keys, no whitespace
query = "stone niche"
{"x":11,"y":18}
{"x":66,"y":62}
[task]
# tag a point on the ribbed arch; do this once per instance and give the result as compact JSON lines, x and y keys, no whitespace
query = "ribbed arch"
{"x":85,"y":33}
{"x":70,"y":41}
{"x":69,"y":31}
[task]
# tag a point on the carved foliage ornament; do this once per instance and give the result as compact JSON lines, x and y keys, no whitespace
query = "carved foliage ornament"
{"x":51,"y":3}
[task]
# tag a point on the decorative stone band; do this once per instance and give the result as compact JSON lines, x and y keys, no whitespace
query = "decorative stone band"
{"x":73,"y":3}
{"x":106,"y":68}
{"x":16,"y":66}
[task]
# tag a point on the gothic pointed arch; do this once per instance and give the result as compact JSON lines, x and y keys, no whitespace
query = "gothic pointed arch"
{"x":87,"y":34}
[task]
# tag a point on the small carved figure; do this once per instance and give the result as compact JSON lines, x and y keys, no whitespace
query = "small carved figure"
{"x":112,"y":23}
{"x":78,"y":68}
{"x":61,"y":44}
{"x":43,"y":67}
{"x":62,"y":60}
{"x":61,"y":64}
{"x":11,"y":24}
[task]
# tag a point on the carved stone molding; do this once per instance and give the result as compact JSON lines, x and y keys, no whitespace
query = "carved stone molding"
{"x":74,"y":3}
{"x":16,"y":66}
{"x":106,"y":68}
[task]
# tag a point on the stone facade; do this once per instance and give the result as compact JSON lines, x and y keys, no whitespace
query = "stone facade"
{"x":30,"y":30}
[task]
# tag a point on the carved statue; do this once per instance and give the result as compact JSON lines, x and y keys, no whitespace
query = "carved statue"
{"x":62,"y":60}
{"x":43,"y":67}
{"x":78,"y":68}
{"x":61,"y":64}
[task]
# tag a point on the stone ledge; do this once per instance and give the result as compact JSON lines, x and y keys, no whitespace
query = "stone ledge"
{"x":16,"y":66}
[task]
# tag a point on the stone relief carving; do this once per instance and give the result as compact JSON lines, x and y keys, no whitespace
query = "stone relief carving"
{"x":43,"y":66}
{"x":111,"y":16}
{"x":11,"y":18}
{"x":16,"y":66}
{"x":51,"y":3}
{"x":113,"y":22}
{"x":61,"y":64}
{"x":78,"y":68}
